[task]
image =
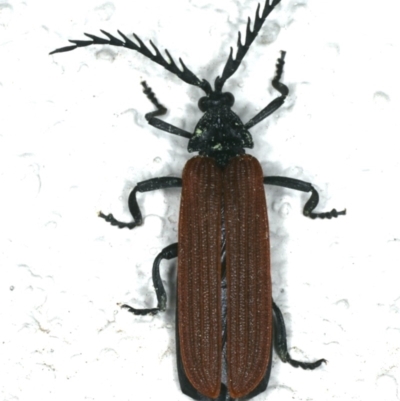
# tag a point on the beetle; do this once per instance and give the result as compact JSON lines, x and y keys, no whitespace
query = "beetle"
{"x":226,"y":319}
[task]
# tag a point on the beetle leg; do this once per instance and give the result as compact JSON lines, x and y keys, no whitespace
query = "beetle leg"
{"x":144,"y":186}
{"x":303,"y":186}
{"x":276,"y":103}
{"x":170,"y":252}
{"x":161,"y":110}
{"x":281,"y":344}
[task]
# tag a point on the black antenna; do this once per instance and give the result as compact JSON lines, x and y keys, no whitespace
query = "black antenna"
{"x":184,"y":74}
{"x":233,"y":64}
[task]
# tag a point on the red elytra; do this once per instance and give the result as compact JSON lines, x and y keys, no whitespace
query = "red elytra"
{"x":233,"y":197}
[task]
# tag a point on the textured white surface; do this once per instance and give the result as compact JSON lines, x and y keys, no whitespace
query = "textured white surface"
{"x":73,"y":140}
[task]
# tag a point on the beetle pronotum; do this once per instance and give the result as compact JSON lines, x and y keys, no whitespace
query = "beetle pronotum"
{"x":226,"y":318}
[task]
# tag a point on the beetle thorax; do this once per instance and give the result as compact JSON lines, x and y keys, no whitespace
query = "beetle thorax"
{"x":220,"y":134}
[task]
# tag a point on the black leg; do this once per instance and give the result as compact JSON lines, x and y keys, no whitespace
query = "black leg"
{"x":144,"y":186}
{"x":161,"y":110}
{"x":281,"y":344}
{"x":304,"y":187}
{"x":276,"y":103}
{"x":170,"y":252}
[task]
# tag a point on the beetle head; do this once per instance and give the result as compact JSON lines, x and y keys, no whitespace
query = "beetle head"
{"x":216,"y":100}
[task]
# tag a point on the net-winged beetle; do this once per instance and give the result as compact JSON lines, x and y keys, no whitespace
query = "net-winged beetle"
{"x":226,"y":319}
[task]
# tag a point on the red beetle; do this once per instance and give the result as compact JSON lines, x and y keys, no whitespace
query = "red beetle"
{"x":226,"y":318}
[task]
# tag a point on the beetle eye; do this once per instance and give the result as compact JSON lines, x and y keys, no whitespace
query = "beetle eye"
{"x":203,"y":104}
{"x":229,"y":99}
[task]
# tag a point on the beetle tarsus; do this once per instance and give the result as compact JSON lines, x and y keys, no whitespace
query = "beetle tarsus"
{"x":305,"y":365}
{"x":114,"y":222}
{"x":326,"y":215}
{"x":303,"y":186}
{"x":161,"y":110}
{"x":143,"y":186}
{"x":281,"y":343}
{"x":141,"y":312}
{"x":312,"y":204}
{"x":276,"y":82}
{"x":276,"y":103}
{"x":169,"y":252}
